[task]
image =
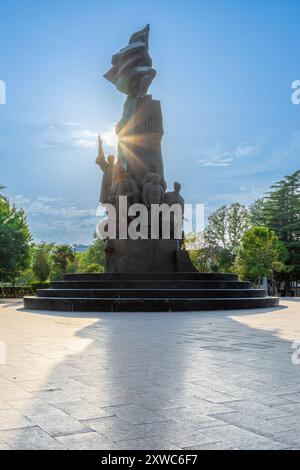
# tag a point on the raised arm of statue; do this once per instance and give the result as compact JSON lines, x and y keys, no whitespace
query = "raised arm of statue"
{"x":101,"y":157}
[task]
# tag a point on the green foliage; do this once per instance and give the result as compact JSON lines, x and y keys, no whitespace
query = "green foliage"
{"x":41,"y":264}
{"x":193,"y":245}
{"x":209,"y":258}
{"x":226,"y":227}
{"x":39,"y":285}
{"x":15,"y":242}
{"x":281,"y":213}
{"x":94,"y":268}
{"x":1,"y":195}
{"x":56,"y":274}
{"x":224,"y":260}
{"x":95,"y":255}
{"x":61,"y":256}
{"x":222,"y":237}
{"x":16,"y":292}
{"x":260,"y":254}
{"x":26,"y":278}
{"x":257,"y":215}
{"x":196,"y":260}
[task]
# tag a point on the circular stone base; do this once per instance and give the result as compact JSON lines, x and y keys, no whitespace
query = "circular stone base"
{"x":149,"y":292}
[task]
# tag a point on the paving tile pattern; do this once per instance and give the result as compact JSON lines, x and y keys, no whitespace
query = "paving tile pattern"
{"x":150,"y":380}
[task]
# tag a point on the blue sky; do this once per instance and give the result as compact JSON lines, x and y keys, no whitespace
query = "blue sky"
{"x":225,"y":70}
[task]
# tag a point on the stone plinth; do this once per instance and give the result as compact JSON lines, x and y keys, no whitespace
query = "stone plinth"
{"x":141,"y":256}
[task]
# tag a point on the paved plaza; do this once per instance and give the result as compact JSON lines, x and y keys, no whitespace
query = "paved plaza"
{"x":150,"y":380}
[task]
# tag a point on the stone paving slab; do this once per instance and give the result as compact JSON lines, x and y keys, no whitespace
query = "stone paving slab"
{"x":87,"y":441}
{"x":31,"y":438}
{"x":206,"y":380}
{"x":59,"y":424}
{"x":13,"y":419}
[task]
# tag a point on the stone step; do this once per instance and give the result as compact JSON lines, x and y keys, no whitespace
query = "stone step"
{"x":150,"y":284}
{"x":151,"y":276}
{"x":146,"y":305}
{"x":151,"y":293}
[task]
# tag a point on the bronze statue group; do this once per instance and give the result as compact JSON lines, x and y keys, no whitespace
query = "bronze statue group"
{"x":118,"y":182}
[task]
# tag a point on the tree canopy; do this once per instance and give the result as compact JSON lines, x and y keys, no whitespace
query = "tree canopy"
{"x":41,"y":265}
{"x":93,"y":257}
{"x":15,"y":242}
{"x":260,"y":254}
{"x":280,"y":211}
{"x":222,"y":237}
{"x":61,"y":255}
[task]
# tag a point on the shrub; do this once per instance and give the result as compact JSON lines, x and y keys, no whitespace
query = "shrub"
{"x":94,"y":268}
{"x":39,"y":285}
{"x":41,"y":266}
{"x":260,"y":255}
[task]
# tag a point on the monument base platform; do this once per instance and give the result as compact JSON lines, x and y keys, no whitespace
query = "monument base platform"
{"x":146,"y":256}
{"x":149,"y":292}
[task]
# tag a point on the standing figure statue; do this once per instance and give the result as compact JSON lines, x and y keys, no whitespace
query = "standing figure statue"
{"x":153,"y":192}
{"x":125,"y":185}
{"x":153,"y":173}
{"x":109,"y":169}
{"x":174,"y":197}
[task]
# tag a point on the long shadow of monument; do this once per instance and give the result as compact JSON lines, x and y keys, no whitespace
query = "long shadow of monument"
{"x":150,"y":369}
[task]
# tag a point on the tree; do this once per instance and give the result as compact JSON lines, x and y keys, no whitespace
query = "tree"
{"x":257,"y":214}
{"x":209,"y":258}
{"x":94,"y":268}
{"x":281,"y":212}
{"x":15,"y":242}
{"x":223,"y":235}
{"x":94,"y":255}
{"x":193,"y":243}
{"x":41,"y":265}
{"x":206,"y":259}
{"x":260,"y":255}
{"x":225,"y":259}
{"x":62,"y":255}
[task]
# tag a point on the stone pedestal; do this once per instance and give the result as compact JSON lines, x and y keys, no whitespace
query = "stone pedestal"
{"x":141,"y":256}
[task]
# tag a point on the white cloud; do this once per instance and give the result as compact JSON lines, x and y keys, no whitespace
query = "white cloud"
{"x":48,"y":199}
{"x":49,"y":219}
{"x":19,"y":199}
{"x":47,"y":206}
{"x":245,"y":151}
{"x":77,"y":135}
{"x":110,"y":138}
{"x":216,"y":156}
{"x":84,"y":138}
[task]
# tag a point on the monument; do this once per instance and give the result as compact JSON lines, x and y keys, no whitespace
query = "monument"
{"x":143,"y":273}
{"x":140,"y":132}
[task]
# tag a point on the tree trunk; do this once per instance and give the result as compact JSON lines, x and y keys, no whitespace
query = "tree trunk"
{"x":259,"y":282}
{"x":287,"y":287}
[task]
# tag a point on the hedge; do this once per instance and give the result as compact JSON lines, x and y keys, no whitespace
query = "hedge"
{"x":39,"y":285}
{"x":18,"y":292}
{"x":15,"y":292}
